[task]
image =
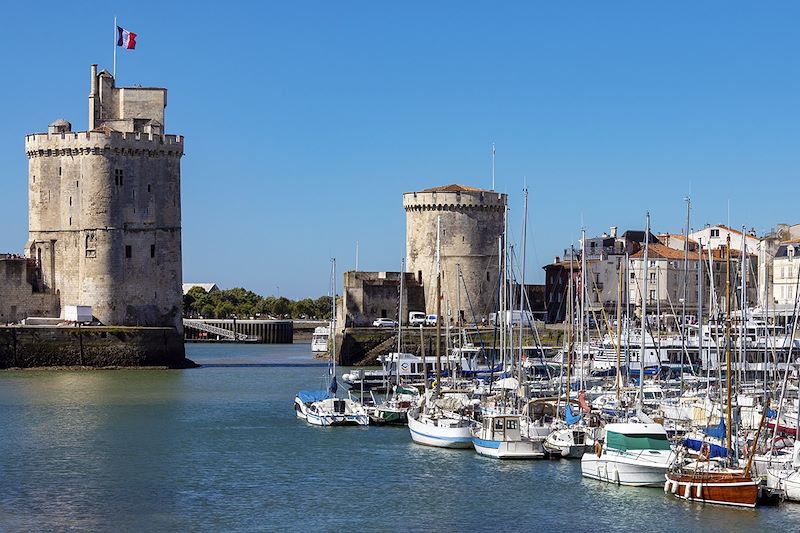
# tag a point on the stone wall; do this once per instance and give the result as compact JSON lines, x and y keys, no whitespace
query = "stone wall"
{"x":18,"y":298}
{"x":371,"y":295}
{"x":37,"y":346}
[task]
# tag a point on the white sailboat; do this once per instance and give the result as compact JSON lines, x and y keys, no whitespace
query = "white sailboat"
{"x":322,"y":407}
{"x":437,"y":421}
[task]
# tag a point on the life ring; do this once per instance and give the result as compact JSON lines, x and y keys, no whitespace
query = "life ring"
{"x":598,"y":448}
{"x":705,"y":451}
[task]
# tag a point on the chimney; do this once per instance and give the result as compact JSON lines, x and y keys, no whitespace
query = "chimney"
{"x":614,"y":231}
{"x":93,"y":99}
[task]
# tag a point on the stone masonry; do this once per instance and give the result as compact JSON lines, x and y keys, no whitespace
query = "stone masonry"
{"x":104,"y":208}
{"x":471,"y":222}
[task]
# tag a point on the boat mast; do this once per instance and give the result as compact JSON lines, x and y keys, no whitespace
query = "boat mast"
{"x":627,"y":319}
{"x":644,"y":312}
{"x":700,"y":334}
{"x":685,"y":285}
{"x":400,"y":325}
{"x":333,"y":320}
{"x":438,"y":388}
{"x":522,"y":282}
{"x":584,"y":322}
{"x":728,"y":414}
{"x":619,"y":327}
{"x":743,"y":312}
{"x":571,"y":306}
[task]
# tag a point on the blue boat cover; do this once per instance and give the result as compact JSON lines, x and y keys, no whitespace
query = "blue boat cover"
{"x":309,"y":396}
{"x":571,"y":418}
{"x":715,"y":450}
{"x":718,"y":432}
{"x":771,"y":413}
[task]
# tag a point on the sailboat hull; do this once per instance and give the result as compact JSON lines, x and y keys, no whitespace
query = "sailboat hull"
{"x":787,"y":480}
{"x":440,"y":433}
{"x":723,"y":488}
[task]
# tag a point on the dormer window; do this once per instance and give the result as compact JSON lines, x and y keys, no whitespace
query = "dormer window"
{"x":790,"y":252}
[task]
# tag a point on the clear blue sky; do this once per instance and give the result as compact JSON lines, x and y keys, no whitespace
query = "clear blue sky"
{"x":306,"y":121}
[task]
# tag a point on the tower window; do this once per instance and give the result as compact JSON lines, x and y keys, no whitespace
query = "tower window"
{"x":148,"y":187}
{"x":119,"y":176}
{"x":59,"y":171}
{"x":487,"y":275}
{"x":128,"y":252}
{"x":70,"y":200}
{"x":152,"y":250}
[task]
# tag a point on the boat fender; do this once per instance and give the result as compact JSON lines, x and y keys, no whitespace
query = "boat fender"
{"x":705,"y":451}
{"x":616,"y":476}
{"x":667,"y":484}
{"x":699,"y":491}
{"x":675,"y":486}
{"x":688,"y":493}
{"x":598,"y":448}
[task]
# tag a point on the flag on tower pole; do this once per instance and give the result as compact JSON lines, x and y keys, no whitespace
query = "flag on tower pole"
{"x":126,"y":39}
{"x":122,"y":38}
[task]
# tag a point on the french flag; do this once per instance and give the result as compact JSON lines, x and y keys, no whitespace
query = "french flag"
{"x":126,"y":39}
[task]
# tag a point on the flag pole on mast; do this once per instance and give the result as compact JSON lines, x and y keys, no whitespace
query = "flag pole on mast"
{"x":114,"y":69}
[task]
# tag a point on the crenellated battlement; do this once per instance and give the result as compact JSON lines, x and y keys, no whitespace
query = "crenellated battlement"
{"x":103,"y":143}
{"x":454,"y":201}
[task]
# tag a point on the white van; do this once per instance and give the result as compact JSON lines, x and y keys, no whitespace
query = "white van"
{"x":416,"y":318}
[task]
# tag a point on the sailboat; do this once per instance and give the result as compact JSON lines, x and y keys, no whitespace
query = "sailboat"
{"x":711,"y":481}
{"x":440,"y":420}
{"x":394,"y":409}
{"x":323,"y":407}
{"x":564,"y":440}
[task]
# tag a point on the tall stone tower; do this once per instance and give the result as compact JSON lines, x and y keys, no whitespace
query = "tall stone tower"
{"x":105,"y":208}
{"x":471,"y":222}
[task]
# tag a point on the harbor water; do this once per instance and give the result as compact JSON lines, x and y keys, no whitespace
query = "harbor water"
{"x":218,"y":448}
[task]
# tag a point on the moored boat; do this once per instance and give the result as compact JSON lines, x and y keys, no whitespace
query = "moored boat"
{"x":724,"y":486}
{"x":631,"y":454}
{"x":500,"y":436}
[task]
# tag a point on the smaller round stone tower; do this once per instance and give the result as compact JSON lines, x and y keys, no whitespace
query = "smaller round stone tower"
{"x":471,"y":223}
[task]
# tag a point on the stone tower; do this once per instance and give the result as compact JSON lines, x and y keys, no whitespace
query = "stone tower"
{"x":472,"y":221}
{"x":105,"y":208}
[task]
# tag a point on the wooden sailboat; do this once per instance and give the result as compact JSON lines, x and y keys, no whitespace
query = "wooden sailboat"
{"x":707,"y":481}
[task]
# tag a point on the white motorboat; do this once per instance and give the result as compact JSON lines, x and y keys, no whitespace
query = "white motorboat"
{"x":319,"y":340}
{"x":630,"y":454}
{"x":318,"y":409}
{"x":500,"y":436}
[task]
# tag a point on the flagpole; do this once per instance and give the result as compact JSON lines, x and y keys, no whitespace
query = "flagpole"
{"x":114,"y":70}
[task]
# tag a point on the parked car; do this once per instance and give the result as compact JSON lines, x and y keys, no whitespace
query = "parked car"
{"x":416,"y":318}
{"x":430,"y":320}
{"x":384,"y":323}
